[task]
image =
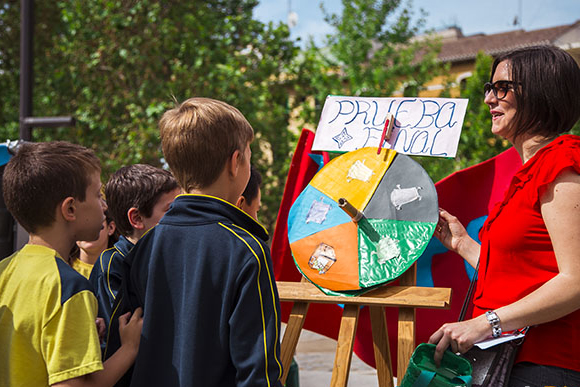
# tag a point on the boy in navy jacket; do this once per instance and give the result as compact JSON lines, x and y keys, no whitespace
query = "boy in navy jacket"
{"x":204,"y":274}
{"x":137,"y":196}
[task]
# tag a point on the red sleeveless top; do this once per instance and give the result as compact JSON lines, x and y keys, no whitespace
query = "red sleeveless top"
{"x":517,"y":256}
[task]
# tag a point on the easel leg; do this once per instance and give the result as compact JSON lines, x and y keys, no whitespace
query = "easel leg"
{"x":344,"y":346}
{"x":406,"y":342}
{"x":291,"y":336}
{"x":381,"y":346}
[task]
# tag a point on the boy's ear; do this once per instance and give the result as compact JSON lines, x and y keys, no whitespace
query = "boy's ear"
{"x":68,"y":209}
{"x":233,"y":163}
{"x":135,"y":218}
{"x":111,"y":227}
{"x":240,"y":202}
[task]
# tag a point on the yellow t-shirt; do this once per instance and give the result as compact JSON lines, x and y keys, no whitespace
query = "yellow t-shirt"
{"x":82,"y":267}
{"x":47,"y":320}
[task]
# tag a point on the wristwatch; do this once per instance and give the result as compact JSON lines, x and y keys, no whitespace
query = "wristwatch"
{"x":493,"y":320}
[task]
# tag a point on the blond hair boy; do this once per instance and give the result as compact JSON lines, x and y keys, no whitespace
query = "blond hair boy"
{"x":204,"y":274}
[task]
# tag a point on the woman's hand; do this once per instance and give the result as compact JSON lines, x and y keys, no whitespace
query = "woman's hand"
{"x":450,"y":231}
{"x":459,"y":336}
{"x":454,"y":237}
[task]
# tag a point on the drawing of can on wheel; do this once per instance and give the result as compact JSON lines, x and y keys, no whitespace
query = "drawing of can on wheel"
{"x":401,"y":196}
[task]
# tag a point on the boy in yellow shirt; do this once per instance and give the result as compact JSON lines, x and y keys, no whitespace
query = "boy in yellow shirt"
{"x":48,"y":334}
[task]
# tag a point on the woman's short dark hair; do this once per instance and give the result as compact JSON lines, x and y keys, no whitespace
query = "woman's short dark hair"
{"x":547,"y":90}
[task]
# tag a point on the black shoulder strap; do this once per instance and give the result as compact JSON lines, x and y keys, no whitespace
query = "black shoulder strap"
{"x":469,"y":294}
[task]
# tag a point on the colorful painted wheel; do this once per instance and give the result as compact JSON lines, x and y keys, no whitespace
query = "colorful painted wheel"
{"x":397,"y":205}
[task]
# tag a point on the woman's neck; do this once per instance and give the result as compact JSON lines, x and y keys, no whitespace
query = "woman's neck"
{"x":530,"y":145}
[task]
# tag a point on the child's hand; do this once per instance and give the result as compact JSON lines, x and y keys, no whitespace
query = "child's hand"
{"x":101,"y":328}
{"x":130,"y":329}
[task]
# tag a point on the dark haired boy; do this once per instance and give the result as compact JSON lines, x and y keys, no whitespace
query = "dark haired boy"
{"x":137,"y":196}
{"x":251,"y":199}
{"x":204,"y":274}
{"x":48,"y":334}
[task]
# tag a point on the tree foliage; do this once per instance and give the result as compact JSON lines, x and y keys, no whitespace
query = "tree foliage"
{"x":117,"y":65}
{"x":371,"y":52}
{"x":374,"y":52}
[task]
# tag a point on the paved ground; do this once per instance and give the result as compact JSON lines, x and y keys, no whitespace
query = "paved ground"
{"x":315,"y":358}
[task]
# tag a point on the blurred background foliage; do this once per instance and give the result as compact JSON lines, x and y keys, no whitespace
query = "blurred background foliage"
{"x":117,"y":65}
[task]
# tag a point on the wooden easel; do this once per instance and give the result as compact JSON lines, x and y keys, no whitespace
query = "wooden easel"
{"x":406,"y":297}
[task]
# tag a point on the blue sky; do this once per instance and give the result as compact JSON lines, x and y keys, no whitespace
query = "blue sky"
{"x":472,"y":17}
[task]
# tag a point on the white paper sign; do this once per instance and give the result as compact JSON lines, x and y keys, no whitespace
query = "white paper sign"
{"x":423,"y":126}
{"x":491,"y":342}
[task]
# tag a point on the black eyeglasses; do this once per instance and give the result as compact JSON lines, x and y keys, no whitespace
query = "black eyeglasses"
{"x":499,"y":88}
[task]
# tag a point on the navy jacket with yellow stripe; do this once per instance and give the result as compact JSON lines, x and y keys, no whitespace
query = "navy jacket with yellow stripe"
{"x":211,"y":310}
{"x":107,"y":274}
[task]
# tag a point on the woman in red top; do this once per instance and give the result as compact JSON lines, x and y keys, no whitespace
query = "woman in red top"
{"x":529,"y":271}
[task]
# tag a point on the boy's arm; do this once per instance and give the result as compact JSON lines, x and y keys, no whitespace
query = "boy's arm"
{"x":116,"y":366}
{"x":255,"y":324}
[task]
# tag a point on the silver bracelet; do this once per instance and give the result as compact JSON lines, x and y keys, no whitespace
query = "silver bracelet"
{"x":493,"y":320}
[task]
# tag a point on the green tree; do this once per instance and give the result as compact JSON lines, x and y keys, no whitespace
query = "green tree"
{"x":370,"y":53}
{"x":117,"y":65}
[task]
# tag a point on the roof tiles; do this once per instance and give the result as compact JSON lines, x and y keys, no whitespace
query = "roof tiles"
{"x":466,"y":48}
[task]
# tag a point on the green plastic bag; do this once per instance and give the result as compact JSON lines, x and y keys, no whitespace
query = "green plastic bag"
{"x":454,"y":371}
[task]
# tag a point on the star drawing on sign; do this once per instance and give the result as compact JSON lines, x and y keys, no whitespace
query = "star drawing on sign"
{"x":342,"y":138}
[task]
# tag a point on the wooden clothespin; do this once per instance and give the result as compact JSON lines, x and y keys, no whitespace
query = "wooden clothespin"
{"x":387,"y":130}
